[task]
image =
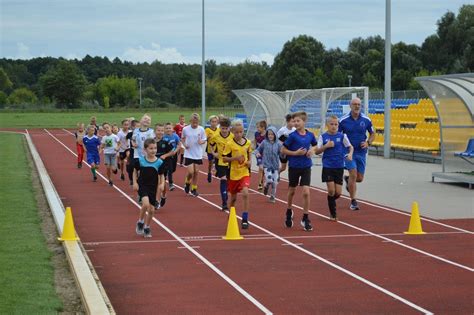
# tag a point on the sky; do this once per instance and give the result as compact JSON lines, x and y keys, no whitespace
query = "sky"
{"x":170,"y":31}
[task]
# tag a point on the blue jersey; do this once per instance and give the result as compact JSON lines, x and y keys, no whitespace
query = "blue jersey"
{"x":334,"y":157}
{"x":91,"y":144}
{"x":173,"y":139}
{"x":356,"y":130}
{"x":295,"y":141}
{"x":149,"y":172}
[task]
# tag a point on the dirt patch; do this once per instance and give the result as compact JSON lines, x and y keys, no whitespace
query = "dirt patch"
{"x":64,"y":282}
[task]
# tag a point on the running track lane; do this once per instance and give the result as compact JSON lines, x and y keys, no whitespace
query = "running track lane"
{"x":293,"y":290}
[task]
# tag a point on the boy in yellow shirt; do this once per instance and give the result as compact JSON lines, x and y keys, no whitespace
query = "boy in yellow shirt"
{"x":237,"y":154}
{"x":211,"y":132}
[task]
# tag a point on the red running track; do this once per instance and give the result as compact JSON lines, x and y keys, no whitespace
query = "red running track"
{"x":341,"y":267}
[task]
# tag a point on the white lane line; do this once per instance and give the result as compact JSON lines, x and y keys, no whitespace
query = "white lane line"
{"x":326,"y":261}
{"x":346,"y":271}
{"x":388,"y":209}
{"x":183,"y":243}
{"x":374,"y":205}
{"x":388,"y":240}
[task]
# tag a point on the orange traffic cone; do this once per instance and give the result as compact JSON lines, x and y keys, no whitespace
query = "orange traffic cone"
{"x":69,"y":232}
{"x":233,"y":232}
{"x":415,"y":221}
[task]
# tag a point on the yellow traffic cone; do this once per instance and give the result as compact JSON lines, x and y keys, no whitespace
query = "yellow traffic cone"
{"x":69,"y":233}
{"x":233,"y":232}
{"x":415,"y":222}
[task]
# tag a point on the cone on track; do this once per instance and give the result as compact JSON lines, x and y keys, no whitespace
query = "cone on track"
{"x":69,"y":232}
{"x":233,"y":232}
{"x":415,"y":222}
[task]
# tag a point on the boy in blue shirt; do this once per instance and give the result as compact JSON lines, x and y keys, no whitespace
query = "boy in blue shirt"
{"x":175,"y":141}
{"x":299,"y":148}
{"x":334,"y":145}
{"x":356,"y":125}
{"x":91,"y":146}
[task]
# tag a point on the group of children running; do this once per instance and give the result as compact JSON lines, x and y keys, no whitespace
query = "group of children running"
{"x":150,"y":156}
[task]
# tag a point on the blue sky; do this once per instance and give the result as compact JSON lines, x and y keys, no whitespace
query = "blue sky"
{"x":170,"y":31}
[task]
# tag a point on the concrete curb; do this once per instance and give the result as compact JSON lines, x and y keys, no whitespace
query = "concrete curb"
{"x":92,"y":293}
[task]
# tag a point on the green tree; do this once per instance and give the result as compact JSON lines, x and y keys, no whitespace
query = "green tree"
{"x":3,"y":99}
{"x":320,"y":79}
{"x":190,"y":94}
{"x":370,"y":80}
{"x":5,"y":83}
{"x":22,"y":96}
{"x":64,"y":83}
{"x":151,"y":93}
{"x":338,"y":77}
{"x":120,"y":91}
{"x":216,"y":93}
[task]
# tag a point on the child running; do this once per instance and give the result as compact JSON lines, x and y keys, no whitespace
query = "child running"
{"x":147,"y":186}
{"x":282,"y":135}
{"x":178,"y":128}
{"x":193,"y":138}
{"x":333,"y":144}
{"x":124,"y":149}
{"x":138,"y":140}
{"x":237,"y":153}
{"x":164,"y":150}
{"x":79,"y":134}
{"x":91,"y":146}
{"x":110,"y":144}
{"x":259,"y":137}
{"x":175,"y":141}
{"x":211,"y":132}
{"x":133,"y":125}
{"x":94,"y":124}
{"x":218,"y":144}
{"x":299,"y":147}
{"x":269,"y":152}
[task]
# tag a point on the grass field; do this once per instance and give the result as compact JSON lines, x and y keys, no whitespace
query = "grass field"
{"x":70,"y":119}
{"x":26,"y":272}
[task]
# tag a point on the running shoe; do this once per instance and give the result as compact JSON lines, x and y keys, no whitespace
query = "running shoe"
{"x":187,"y":187}
{"x":111,"y":183}
{"x":265,"y":189}
{"x":354,"y":205}
{"x":306,"y":224}
{"x":209,"y":177}
{"x":194,"y":193}
{"x":289,"y":218}
{"x":139,"y":228}
{"x":94,"y":178}
{"x":224,"y":207}
{"x":122,"y":177}
{"x":260,"y":187}
{"x":162,"y":201}
{"x":147,"y":232}
{"x":171,"y":187}
{"x":272,"y":199}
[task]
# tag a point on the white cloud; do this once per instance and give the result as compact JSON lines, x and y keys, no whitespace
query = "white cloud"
{"x":268,"y":58}
{"x":23,"y":51}
{"x":156,"y":52}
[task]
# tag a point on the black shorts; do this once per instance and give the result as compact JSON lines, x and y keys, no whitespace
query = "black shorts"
{"x":188,"y":162}
{"x":173,"y":163}
{"x":283,"y":159}
{"x":299,"y":176}
{"x":136,"y":163}
{"x":332,"y":175}
{"x":222,"y":171}
{"x":123,"y":155}
{"x":163,"y":170}
{"x":148,"y":191}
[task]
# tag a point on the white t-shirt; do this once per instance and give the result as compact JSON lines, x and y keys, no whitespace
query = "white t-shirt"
{"x":110,"y":143}
{"x":284,"y":131}
{"x":191,"y":136}
{"x":139,"y":136}
{"x":124,"y":143}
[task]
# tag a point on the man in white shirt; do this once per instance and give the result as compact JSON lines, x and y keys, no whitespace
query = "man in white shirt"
{"x":193,"y":137}
{"x":282,"y":135}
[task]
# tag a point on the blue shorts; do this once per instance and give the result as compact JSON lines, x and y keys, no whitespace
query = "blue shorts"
{"x":358,"y":162}
{"x":93,"y":158}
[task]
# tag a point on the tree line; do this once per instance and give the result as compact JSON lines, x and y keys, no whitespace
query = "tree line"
{"x":303,"y":63}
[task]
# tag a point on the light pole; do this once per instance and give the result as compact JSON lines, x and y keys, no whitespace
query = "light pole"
{"x":140,"y":85}
{"x":350,"y":80}
{"x":388,"y":80}
{"x":203,"y":74}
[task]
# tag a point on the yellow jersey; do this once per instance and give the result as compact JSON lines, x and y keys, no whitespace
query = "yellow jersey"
{"x":209,"y":135}
{"x":218,"y":143}
{"x":232,"y":149}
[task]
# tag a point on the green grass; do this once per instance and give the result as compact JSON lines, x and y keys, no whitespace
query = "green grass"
{"x":26,"y":272}
{"x":70,"y":119}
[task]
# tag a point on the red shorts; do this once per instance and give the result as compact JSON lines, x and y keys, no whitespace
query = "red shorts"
{"x":236,"y":186}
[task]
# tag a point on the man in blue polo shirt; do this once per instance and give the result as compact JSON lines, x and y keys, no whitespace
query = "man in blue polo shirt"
{"x":356,"y":125}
